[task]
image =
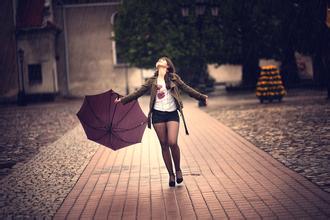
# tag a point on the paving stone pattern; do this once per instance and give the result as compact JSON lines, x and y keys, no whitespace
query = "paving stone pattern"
{"x":225,"y":177}
{"x":25,"y":129}
{"x":65,"y":174}
{"x":37,"y":188}
{"x":39,"y":161}
{"x":296,"y":132}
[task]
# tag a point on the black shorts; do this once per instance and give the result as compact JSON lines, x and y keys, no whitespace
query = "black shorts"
{"x":161,"y":116}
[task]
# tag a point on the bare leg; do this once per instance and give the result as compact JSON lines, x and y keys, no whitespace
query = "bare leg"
{"x":172,"y":138}
{"x":160,"y":129}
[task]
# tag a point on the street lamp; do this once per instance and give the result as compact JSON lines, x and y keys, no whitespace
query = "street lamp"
{"x":126,"y":78}
{"x":215,"y":9}
{"x":200,"y":8}
{"x":185,"y":10}
{"x":21,"y":93}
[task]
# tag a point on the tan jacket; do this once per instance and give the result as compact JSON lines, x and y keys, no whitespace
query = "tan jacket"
{"x":176,"y":83}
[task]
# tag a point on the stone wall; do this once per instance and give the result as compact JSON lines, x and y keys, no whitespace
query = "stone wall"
{"x":8,"y":64}
{"x":39,"y":48}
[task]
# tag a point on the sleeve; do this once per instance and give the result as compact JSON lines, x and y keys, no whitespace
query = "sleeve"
{"x":134,"y":95}
{"x":189,"y":90}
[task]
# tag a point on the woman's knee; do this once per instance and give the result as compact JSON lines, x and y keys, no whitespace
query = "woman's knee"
{"x":172,"y":144}
{"x":164,"y":145}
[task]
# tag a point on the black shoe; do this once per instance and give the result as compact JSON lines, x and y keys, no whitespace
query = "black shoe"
{"x":171,"y":183}
{"x":179,"y":179}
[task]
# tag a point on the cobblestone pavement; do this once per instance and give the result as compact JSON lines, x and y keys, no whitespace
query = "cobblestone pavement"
{"x":225,"y":177}
{"x":36,"y":189}
{"x":25,"y":129}
{"x":296,"y":131}
{"x":49,"y":151}
{"x":43,"y":153}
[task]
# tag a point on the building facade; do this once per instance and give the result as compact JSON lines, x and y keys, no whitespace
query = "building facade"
{"x":63,"y":48}
{"x":66,"y":47}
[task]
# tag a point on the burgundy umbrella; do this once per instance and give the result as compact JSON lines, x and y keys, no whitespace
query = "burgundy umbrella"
{"x":111,"y":124}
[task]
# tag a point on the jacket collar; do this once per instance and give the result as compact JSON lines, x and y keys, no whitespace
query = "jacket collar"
{"x":154,"y":82}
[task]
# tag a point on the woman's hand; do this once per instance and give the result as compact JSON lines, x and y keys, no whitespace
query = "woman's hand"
{"x":117,"y":100}
{"x":206,"y":100}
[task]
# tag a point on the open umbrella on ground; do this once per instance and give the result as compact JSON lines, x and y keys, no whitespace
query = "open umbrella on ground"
{"x":111,"y":124}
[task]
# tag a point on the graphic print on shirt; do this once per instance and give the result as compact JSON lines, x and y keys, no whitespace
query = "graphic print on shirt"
{"x":160,"y":91}
{"x":164,"y":99}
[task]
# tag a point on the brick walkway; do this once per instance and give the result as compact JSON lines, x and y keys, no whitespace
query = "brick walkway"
{"x":225,"y":176}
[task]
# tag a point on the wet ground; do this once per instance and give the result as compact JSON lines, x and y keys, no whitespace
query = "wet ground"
{"x":25,"y":129}
{"x":295,"y":131}
{"x":46,"y":137}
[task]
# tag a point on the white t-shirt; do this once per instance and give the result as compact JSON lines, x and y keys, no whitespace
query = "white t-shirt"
{"x":164,"y":99}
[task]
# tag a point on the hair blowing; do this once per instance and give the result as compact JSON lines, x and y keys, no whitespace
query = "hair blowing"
{"x":169,"y":72}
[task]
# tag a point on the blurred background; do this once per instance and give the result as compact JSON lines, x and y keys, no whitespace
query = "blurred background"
{"x":72,"y":48}
{"x":54,"y":52}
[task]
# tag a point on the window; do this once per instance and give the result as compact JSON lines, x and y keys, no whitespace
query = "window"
{"x":35,"y":74}
{"x":117,"y":56}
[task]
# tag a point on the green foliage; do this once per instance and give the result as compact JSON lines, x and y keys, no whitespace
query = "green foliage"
{"x":146,"y":30}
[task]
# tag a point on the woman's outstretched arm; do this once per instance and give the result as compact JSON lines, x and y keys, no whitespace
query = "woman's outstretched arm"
{"x":189,"y":90}
{"x":134,"y":95}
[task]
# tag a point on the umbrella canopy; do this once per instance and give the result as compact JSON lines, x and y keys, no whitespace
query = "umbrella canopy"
{"x":111,"y":124}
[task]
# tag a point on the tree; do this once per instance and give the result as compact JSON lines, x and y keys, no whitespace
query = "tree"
{"x":303,"y":30}
{"x":147,"y":30}
{"x":262,"y":31}
{"x":244,"y":32}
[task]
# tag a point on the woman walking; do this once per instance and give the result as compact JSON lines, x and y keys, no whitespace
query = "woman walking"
{"x":165,"y":102}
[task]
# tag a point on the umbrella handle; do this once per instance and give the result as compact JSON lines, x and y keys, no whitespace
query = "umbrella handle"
{"x":118,"y":96}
